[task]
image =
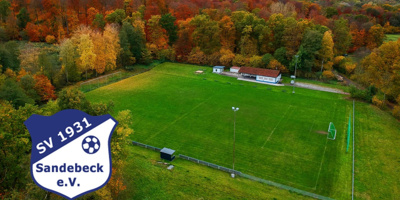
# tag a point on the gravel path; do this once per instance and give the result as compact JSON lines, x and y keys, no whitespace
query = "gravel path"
{"x":301,"y":85}
{"x":319,"y":88}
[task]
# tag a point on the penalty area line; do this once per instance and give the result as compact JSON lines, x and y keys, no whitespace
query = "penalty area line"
{"x":272,"y":132}
{"x":177,"y":119}
{"x":320,"y":166}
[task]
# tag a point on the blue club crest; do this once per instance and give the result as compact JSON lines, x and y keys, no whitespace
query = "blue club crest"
{"x":71,"y":153}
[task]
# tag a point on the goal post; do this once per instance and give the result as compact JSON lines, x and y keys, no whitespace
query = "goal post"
{"x":331,"y":131}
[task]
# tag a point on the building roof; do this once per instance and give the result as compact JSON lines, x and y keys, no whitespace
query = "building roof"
{"x":259,"y":71}
{"x":235,"y":67}
{"x":167,"y":151}
{"x":219,"y":67}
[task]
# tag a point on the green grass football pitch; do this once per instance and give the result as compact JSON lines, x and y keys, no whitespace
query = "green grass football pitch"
{"x":280,"y":136}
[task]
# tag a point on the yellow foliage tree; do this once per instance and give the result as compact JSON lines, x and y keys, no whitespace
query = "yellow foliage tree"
{"x":85,"y":49}
{"x":10,"y":73}
{"x":350,"y":68}
{"x":256,"y":61}
{"x":213,"y":59}
{"x":50,"y":39}
{"x":197,"y":56}
{"x":104,"y":193}
{"x":139,"y":24}
{"x":328,"y":75}
{"x":100,"y":50}
{"x":112,"y":47}
{"x":389,"y":29}
{"x":227,"y":57}
{"x":248,"y":45}
{"x":240,"y":60}
{"x":275,"y":64}
{"x":378,"y":102}
{"x":326,"y":51}
{"x":396,"y":112}
{"x":119,"y":152}
{"x":293,"y":35}
{"x":381,"y":68}
{"x":375,"y":36}
{"x":337,"y":60}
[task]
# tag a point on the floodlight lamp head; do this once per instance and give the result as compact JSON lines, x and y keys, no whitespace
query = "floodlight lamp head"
{"x":233,"y":108}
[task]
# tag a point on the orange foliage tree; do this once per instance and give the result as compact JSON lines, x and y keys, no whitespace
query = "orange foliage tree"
{"x":184,"y":44}
{"x":91,"y":12}
{"x":227,"y":33}
{"x":21,"y":74}
{"x":44,"y":88}
{"x":151,"y":9}
{"x":32,"y":32}
{"x":358,"y":39}
{"x":37,"y":33}
{"x":183,"y":12}
{"x":116,"y":183}
{"x":11,"y":26}
{"x":157,"y":35}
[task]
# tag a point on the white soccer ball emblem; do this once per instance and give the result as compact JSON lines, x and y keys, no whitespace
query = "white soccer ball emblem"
{"x":90,"y":144}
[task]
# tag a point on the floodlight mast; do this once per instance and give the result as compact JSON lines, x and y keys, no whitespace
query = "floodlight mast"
{"x":234,"y":138}
{"x":295,"y":69}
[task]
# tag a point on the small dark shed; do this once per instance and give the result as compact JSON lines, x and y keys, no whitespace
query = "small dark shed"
{"x":167,"y":154}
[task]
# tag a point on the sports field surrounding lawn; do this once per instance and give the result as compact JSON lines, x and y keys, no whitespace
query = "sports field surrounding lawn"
{"x":280,"y":136}
{"x":377,"y":154}
{"x":392,"y":37}
{"x":147,"y":178}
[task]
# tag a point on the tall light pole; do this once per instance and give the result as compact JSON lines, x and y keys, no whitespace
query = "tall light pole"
{"x":234,"y":138}
{"x":295,"y":69}
{"x":322,"y":65}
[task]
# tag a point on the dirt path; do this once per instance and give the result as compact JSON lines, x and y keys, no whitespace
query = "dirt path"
{"x":350,"y":82}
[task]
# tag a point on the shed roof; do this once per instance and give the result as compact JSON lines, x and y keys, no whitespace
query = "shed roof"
{"x":235,"y":67}
{"x":259,"y":71}
{"x":167,"y":151}
{"x":219,"y":67}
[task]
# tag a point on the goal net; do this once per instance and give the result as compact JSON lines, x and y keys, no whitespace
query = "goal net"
{"x":331,"y":131}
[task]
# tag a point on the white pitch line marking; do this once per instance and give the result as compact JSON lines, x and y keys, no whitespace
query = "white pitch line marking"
{"x":272,"y":132}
